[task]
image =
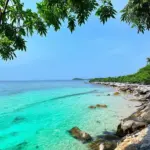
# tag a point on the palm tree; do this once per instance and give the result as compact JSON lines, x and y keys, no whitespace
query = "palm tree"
{"x":148,"y":60}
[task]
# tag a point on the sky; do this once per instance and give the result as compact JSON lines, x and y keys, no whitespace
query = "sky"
{"x":93,"y":50}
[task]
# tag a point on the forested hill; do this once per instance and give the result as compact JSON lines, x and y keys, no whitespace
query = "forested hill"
{"x":142,"y":77}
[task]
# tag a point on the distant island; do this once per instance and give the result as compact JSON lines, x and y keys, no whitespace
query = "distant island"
{"x":78,"y":79}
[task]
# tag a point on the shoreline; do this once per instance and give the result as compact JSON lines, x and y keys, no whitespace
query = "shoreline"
{"x":134,"y":129}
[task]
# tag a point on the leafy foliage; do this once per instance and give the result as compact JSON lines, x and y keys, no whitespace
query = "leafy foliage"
{"x":142,"y":76}
{"x":106,"y":11}
{"x":16,"y":22}
{"x":137,"y":13}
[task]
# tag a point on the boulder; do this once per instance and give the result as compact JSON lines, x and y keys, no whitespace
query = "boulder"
{"x":142,"y":90}
{"x":137,"y":121}
{"x":80,"y":135}
{"x":102,"y":144}
{"x":129,"y":126}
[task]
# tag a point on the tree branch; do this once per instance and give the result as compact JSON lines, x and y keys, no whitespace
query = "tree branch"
{"x":2,"y":13}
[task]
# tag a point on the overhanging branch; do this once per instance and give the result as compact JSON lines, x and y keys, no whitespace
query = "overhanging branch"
{"x":2,"y":13}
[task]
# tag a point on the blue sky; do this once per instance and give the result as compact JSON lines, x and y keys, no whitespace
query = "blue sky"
{"x":93,"y":50}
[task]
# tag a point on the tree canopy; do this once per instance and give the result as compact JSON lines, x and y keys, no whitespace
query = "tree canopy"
{"x":16,"y":22}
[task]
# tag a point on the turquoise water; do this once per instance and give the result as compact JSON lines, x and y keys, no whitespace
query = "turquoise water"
{"x":37,"y":115}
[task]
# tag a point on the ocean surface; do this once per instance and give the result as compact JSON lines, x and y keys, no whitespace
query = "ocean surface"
{"x":37,"y":115}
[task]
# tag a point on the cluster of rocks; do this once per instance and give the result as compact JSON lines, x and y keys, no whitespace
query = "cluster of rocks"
{"x":98,"y":106}
{"x":133,"y":126}
{"x":133,"y":132}
{"x":136,"y":141}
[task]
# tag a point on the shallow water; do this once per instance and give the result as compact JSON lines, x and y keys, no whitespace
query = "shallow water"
{"x":37,"y":115}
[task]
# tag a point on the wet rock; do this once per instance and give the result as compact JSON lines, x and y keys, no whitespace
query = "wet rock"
{"x":107,"y":141}
{"x":80,"y":135}
{"x":110,"y":137}
{"x":116,"y":93}
{"x":102,"y":144}
{"x":92,"y":107}
{"x":98,"y":106}
{"x":18,"y":119}
{"x":101,"y":106}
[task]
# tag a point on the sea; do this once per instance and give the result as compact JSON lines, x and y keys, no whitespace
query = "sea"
{"x":37,"y":115}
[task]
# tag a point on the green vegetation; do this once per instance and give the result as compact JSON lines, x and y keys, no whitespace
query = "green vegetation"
{"x":142,"y":77}
{"x":17,"y":22}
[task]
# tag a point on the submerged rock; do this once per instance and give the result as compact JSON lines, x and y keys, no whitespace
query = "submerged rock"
{"x":18,"y":119}
{"x":20,"y":146}
{"x":92,"y":107}
{"x":101,"y":106}
{"x":116,"y":93}
{"x":80,"y":135}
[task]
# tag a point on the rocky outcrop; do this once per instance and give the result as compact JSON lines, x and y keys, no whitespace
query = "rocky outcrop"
{"x":105,"y":142}
{"x":136,"y":141}
{"x":80,"y":135}
{"x":138,"y":120}
{"x":135,"y":129}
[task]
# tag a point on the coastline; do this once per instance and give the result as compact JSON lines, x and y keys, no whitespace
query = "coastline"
{"x":133,"y":130}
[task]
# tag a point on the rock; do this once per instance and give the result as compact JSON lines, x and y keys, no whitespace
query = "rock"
{"x":80,"y":135}
{"x":116,"y":93}
{"x":129,"y":126}
{"x":142,"y":90}
{"x":136,"y":141}
{"x":92,"y":107}
{"x":101,"y":106}
{"x":101,"y":144}
{"x":20,"y":146}
{"x":98,"y":106}
{"x":18,"y":119}
{"x":108,"y":94}
{"x":109,"y":137}
{"x":107,"y":141}
{"x":137,"y":121}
